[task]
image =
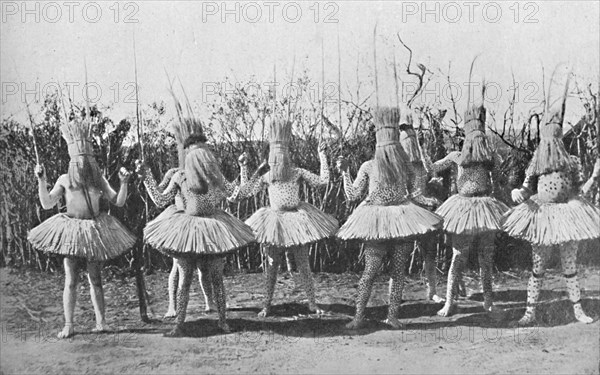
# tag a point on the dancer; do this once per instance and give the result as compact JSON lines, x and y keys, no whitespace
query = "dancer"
{"x":422,"y":168}
{"x":556,"y":215}
{"x":288,"y":224}
{"x":202,"y":233}
{"x":204,"y":277}
{"x":83,"y":231}
{"x":387,"y":221}
{"x":472,"y":217}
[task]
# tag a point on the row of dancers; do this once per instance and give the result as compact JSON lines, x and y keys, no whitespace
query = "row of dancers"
{"x":397,"y":210}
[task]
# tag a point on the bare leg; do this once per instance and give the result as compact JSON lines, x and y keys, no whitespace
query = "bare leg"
{"x":461,"y":246}
{"x":273,"y":260}
{"x":97,"y":294}
{"x":374,"y":253}
{"x":568,"y":255}
{"x":301,"y":258}
{"x":69,"y":297}
{"x":204,"y":267}
{"x":485,"y":253}
{"x":401,"y":251}
{"x":216,"y":266}
{"x":172,"y":289}
{"x":288,"y":262}
{"x":429,"y":246}
{"x":540,"y":254}
{"x":186,"y":274}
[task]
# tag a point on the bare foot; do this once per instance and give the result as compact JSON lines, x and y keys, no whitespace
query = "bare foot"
{"x":315,"y":309}
{"x":171,"y":313}
{"x":580,"y":315}
{"x":447,"y":310}
{"x":527,"y":319}
{"x":355,"y":324}
{"x":175,"y":332}
{"x":210,"y":307}
{"x":101,"y":327}
{"x":66,"y":332}
{"x":394,"y":322}
{"x":437,"y":299}
{"x":224,"y":327}
{"x":266,"y":311}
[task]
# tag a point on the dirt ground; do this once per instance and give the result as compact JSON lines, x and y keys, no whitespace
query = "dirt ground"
{"x":292,"y":341}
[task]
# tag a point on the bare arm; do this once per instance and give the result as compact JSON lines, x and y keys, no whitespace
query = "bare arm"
{"x":49,"y":199}
{"x":118,"y":199}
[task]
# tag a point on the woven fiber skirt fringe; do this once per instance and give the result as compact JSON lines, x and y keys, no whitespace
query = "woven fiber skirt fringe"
{"x":181,"y":234}
{"x":97,"y":239}
{"x":546,"y":224}
{"x":379,"y":223}
{"x":472,"y":215}
{"x":285,"y":228}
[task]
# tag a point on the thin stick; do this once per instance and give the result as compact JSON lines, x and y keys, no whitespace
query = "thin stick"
{"x":597,"y":120}
{"x":396,"y":80}
{"x":340,"y":89}
{"x":291,"y":84}
{"x":469,"y":82}
{"x":322,"y":85}
{"x":87,"y":93}
{"x":375,"y":63}
{"x":274,"y":87}
{"x":137,"y":104}
{"x":138,"y":254}
{"x":35,"y":147}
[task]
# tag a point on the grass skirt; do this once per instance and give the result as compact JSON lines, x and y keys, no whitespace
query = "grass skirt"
{"x":285,"y":228}
{"x":544,"y":223}
{"x":97,"y":239}
{"x":379,"y":223}
{"x":472,"y":215}
{"x":180,"y":234}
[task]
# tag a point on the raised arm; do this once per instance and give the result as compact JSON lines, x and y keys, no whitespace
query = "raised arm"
{"x":250,"y":188}
{"x":48,"y":200}
{"x":118,"y":199}
{"x":354,"y":190}
{"x":448,"y":162}
{"x":160,"y":199}
{"x":167,"y":178}
{"x":312,"y":179}
{"x":231,"y":188}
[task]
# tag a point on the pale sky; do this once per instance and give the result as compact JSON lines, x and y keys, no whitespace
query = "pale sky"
{"x":192,"y":41}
